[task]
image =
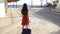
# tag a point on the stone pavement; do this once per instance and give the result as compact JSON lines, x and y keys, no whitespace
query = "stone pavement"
{"x":42,"y":21}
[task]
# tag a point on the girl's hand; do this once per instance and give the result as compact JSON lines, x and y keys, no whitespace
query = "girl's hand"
{"x":20,"y":14}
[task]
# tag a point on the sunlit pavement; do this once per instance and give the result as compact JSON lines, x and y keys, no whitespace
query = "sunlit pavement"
{"x":42,"y":21}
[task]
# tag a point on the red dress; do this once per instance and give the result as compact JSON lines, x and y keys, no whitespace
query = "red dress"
{"x":25,"y":20}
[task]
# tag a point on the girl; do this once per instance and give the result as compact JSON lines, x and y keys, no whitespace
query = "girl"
{"x":25,"y":19}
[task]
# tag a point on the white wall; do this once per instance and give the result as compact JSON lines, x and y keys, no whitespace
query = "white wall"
{"x":2,"y":9}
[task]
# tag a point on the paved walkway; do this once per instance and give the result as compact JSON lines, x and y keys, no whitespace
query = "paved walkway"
{"x":56,"y":11}
{"x":42,"y":21}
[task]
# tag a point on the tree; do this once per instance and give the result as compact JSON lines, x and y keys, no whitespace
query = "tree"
{"x":57,"y":1}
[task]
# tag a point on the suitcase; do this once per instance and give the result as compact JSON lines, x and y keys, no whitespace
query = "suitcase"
{"x":26,"y":31}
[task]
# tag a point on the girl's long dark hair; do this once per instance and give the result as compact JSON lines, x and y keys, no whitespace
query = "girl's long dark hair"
{"x":24,"y":10}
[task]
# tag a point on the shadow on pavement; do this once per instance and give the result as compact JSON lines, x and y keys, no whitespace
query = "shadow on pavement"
{"x":46,"y":14}
{"x":26,"y":31}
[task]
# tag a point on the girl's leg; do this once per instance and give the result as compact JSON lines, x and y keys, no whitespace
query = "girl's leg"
{"x":26,"y":26}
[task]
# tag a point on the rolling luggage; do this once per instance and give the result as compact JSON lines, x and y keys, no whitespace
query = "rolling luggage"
{"x":26,"y":31}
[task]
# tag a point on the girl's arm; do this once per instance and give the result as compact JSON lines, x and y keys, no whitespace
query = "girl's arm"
{"x":28,"y":19}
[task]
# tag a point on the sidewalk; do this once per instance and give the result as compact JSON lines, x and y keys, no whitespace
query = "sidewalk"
{"x":56,"y":11}
{"x":12,"y":23}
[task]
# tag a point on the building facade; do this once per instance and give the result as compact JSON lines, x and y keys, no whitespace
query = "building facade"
{"x":2,"y":9}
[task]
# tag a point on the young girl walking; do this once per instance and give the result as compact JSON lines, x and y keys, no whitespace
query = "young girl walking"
{"x":25,"y":18}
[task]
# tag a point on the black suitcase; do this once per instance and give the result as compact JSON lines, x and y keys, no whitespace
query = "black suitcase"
{"x":26,"y":31}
